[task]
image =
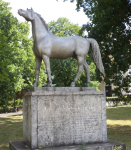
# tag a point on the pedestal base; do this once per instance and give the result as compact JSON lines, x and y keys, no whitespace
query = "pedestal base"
{"x":64,"y":116}
{"x":18,"y":145}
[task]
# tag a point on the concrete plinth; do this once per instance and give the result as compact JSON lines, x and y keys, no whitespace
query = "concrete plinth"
{"x":63,"y":116}
{"x":18,"y":145}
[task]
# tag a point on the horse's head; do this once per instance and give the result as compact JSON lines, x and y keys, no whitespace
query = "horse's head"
{"x":27,"y":14}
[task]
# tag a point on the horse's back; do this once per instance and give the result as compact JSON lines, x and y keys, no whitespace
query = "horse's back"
{"x":62,"y":47}
{"x":72,"y":46}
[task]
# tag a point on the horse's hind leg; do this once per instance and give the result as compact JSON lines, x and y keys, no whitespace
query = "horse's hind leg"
{"x":47,"y":64}
{"x":38,"y":65}
{"x":80,"y":68}
{"x":87,"y":69}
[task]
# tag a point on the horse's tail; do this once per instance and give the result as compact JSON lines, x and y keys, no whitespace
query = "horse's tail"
{"x":96,"y":56}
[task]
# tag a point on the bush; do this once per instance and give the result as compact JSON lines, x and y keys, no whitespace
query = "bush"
{"x":18,"y":103}
{"x":125,"y":100}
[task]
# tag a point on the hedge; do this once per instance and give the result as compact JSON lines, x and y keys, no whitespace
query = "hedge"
{"x":119,"y":100}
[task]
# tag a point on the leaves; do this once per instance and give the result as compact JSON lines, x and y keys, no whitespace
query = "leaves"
{"x":17,"y":61}
{"x":109,"y":25}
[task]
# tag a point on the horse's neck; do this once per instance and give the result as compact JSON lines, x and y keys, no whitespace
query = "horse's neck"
{"x":38,"y":29}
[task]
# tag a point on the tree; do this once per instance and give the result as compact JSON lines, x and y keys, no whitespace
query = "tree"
{"x":110,"y":26}
{"x":17,"y":69}
{"x":64,"y":71}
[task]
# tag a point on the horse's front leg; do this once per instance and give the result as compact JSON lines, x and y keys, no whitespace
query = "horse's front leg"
{"x":47,"y":64}
{"x":38,"y":65}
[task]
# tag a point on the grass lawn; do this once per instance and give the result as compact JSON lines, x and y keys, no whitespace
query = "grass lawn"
{"x":118,"y":127}
{"x":119,"y":124}
{"x":10,"y":130}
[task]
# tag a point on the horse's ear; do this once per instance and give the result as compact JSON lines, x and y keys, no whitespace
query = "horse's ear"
{"x":32,"y":13}
{"x":32,"y":9}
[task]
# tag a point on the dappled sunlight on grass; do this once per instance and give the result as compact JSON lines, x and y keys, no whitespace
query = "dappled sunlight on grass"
{"x":119,"y":122}
{"x":11,"y":119}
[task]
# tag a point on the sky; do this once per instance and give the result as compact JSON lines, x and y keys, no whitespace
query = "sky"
{"x":50,"y":10}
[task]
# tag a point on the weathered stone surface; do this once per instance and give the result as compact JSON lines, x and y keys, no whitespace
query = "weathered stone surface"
{"x":65,"y":89}
{"x":18,"y":145}
{"x":58,"y":118}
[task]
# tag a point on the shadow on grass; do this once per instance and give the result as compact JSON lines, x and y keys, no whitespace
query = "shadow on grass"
{"x":119,"y":113}
{"x":10,"y":119}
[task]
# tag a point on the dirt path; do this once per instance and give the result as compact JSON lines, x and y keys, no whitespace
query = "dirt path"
{"x":11,"y":114}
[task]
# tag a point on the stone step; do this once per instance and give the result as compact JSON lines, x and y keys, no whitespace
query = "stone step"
{"x":19,"y":145}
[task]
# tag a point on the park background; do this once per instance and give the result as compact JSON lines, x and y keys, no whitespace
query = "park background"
{"x":106,"y":21}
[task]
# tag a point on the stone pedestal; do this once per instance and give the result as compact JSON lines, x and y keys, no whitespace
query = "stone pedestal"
{"x":63,"y":116}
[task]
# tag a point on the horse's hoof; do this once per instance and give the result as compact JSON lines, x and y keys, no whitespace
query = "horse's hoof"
{"x":35,"y":85}
{"x":72,"y":84}
{"x":86,"y":85}
{"x":48,"y":85}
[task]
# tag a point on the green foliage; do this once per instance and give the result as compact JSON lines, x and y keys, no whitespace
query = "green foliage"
{"x":94,"y":84}
{"x":109,"y":25}
{"x":83,"y":147}
{"x":64,"y":28}
{"x":117,"y":100}
{"x":18,"y":103}
{"x":64,"y":71}
{"x":17,"y":63}
{"x":117,"y":148}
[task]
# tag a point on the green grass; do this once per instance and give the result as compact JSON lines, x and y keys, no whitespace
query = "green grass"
{"x":119,"y":124}
{"x":10,"y":130}
{"x":118,"y":127}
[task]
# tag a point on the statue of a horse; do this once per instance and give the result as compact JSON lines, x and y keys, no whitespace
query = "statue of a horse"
{"x":46,"y":45}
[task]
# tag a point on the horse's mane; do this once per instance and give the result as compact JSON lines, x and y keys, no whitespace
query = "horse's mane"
{"x":43,"y":21}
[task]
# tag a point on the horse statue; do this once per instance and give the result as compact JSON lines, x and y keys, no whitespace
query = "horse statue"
{"x":47,"y":45}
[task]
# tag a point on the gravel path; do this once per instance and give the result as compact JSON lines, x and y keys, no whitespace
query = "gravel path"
{"x":11,"y":114}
